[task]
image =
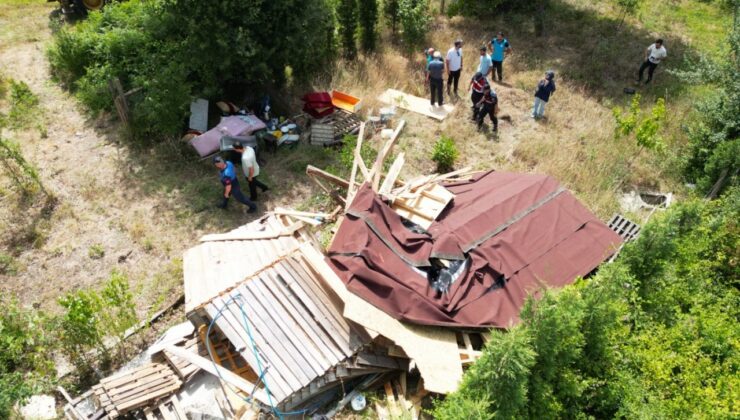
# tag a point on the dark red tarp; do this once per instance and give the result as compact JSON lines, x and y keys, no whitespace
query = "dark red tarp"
{"x":318,"y":104}
{"x":519,"y":231}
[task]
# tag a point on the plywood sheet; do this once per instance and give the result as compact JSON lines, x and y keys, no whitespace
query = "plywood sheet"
{"x":415,"y":104}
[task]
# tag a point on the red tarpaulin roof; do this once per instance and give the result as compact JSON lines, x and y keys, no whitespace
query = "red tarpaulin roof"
{"x":519,"y":231}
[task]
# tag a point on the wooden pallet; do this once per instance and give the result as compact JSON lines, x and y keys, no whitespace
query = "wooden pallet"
{"x":625,"y":228}
{"x":334,"y":127}
{"x":128,"y":391}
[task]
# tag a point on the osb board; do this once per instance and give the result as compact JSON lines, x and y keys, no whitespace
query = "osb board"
{"x":433,"y":349}
{"x":415,"y":104}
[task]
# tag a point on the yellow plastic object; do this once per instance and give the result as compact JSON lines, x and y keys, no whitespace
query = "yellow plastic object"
{"x":345,"y":101}
{"x":277,"y":133}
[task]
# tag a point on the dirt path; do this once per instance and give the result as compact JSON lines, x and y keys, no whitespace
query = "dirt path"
{"x":108,"y":197}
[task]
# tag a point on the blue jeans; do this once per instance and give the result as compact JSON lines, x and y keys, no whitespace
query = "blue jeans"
{"x":539,"y":108}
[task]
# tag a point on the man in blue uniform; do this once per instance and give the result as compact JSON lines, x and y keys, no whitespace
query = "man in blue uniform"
{"x":227,"y":174}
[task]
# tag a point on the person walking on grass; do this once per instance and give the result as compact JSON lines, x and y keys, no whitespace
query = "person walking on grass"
{"x":653,"y":56}
{"x":488,"y":105}
{"x":251,"y":169}
{"x":478,"y":85}
{"x":227,"y":175}
{"x":454,"y":63}
{"x":485,"y":62}
{"x":545,"y":89}
{"x":435,"y":69}
{"x":500,"y":48}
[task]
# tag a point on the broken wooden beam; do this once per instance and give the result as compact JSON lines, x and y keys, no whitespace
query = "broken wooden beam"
{"x":315,"y":172}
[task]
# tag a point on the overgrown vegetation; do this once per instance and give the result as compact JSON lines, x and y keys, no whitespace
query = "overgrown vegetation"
{"x":715,"y":134}
{"x":653,"y":335}
{"x":179,"y":49}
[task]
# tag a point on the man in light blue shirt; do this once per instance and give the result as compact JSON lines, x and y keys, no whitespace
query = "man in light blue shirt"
{"x":500,"y":48}
{"x":485,"y":62}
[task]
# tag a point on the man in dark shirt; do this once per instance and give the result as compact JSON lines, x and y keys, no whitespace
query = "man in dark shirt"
{"x":488,"y":105}
{"x":478,"y":85}
{"x":435,"y":70}
{"x":545,"y":88}
{"x":227,"y":175}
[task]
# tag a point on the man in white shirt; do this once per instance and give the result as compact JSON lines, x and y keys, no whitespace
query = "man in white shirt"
{"x":251,"y":169}
{"x":454,"y":63}
{"x":653,"y":56}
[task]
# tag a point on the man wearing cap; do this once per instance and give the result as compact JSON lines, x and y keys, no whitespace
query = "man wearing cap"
{"x":500,"y":48}
{"x":227,"y":175}
{"x":435,"y":69}
{"x":251,"y":169}
{"x":485,"y":62}
{"x":545,"y":89}
{"x":454,"y":63}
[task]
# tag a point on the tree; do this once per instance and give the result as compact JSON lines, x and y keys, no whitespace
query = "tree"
{"x":414,"y":19}
{"x":368,"y":16}
{"x":391,"y":12}
{"x":347,"y":14}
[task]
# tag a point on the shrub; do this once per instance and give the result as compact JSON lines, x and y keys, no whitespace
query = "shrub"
{"x":23,"y":175}
{"x":368,"y":16}
{"x":8,"y":264}
{"x":90,"y":316}
{"x":25,"y":354}
{"x":96,"y":251}
{"x":347,"y":15}
{"x":23,"y":105}
{"x":444,"y":154}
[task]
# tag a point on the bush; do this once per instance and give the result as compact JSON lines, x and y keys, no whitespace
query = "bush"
{"x":25,"y":354}
{"x":91,"y":316}
{"x":23,"y":105}
{"x":368,"y":17}
{"x":444,"y":154}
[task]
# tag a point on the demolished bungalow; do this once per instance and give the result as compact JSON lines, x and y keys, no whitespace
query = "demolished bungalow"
{"x":415,"y":275}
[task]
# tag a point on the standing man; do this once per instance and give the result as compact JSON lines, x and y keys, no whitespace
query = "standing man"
{"x":454,"y":66}
{"x":251,"y":169}
{"x":488,"y":105}
{"x":545,"y":88}
{"x":485,"y":62}
{"x":478,"y":85}
{"x":227,"y":174}
{"x":653,"y":55}
{"x":500,"y":48}
{"x":435,"y":69}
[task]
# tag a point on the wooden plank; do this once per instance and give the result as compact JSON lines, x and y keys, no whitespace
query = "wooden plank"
{"x":393,"y":173}
{"x":228,"y":376}
{"x":328,"y":349}
{"x":377,"y":169}
{"x":128,"y":376}
{"x":315,"y":172}
{"x":275,"y":337}
{"x":311,"y":285}
{"x":355,"y":163}
{"x":326,"y":320}
{"x":246,"y":236}
{"x":166,"y":413}
{"x":178,"y":408}
{"x":70,"y":404}
{"x":269,"y":350}
{"x":229,"y":325}
{"x":300,"y":342}
{"x":149,"y":414}
{"x":278,"y":384}
{"x":143,"y":399}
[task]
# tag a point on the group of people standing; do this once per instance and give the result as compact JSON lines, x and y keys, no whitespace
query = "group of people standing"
{"x":483,"y":96}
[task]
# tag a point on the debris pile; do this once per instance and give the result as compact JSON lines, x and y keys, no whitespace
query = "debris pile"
{"x":415,"y":274}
